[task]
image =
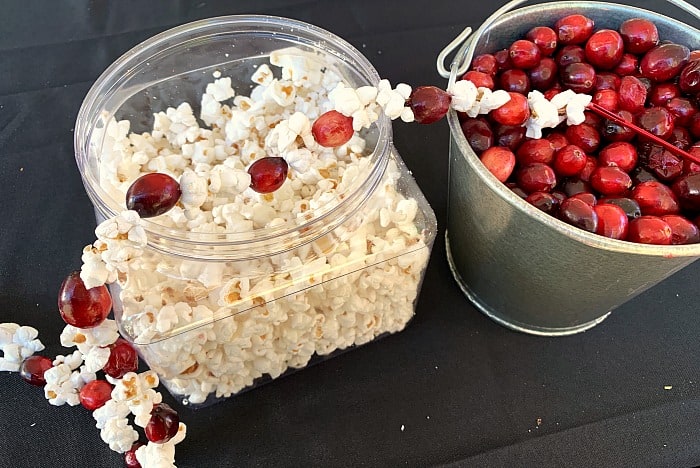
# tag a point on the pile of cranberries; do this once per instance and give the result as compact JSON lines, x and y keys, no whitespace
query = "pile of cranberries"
{"x":599,"y":176}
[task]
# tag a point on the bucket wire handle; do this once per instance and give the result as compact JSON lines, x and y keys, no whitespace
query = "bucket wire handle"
{"x":464,"y":55}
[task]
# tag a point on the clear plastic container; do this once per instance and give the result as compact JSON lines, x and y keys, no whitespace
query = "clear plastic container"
{"x":253,"y":306}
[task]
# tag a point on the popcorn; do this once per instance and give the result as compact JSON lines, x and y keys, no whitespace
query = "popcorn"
{"x":119,"y":435}
{"x":154,"y":455}
{"x":543,"y":114}
{"x":572,"y":105}
{"x":17,"y":343}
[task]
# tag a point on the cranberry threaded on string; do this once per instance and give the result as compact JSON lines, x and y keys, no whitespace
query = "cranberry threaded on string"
{"x":429,"y":104}
{"x":268,"y":174}
{"x":32,"y":370}
{"x":332,"y":129}
{"x":82,"y":307}
{"x":122,"y":359}
{"x":130,"y":460}
{"x":153,"y":194}
{"x":163,"y":425}
{"x":95,"y":394}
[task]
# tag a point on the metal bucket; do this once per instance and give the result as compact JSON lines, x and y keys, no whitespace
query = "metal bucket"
{"x":521,"y":267}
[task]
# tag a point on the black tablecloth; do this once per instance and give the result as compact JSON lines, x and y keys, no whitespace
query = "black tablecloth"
{"x":454,"y":387}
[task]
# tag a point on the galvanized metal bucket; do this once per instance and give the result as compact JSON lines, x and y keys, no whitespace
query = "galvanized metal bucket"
{"x":525,"y":269}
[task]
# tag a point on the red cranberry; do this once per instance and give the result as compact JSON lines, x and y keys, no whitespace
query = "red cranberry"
{"x":655,"y":199}
{"x":269,"y":173}
{"x":682,"y":230}
{"x":163,"y":425}
{"x":612,"y":131}
{"x":510,"y":136}
{"x":536,"y":177}
{"x":569,"y":161}
{"x":130,"y":460}
{"x":429,"y":104}
{"x":95,"y":394}
{"x":516,"y":190}
{"x":524,"y":54}
{"x":604,"y":49}
{"x":579,"y":77}
{"x":514,"y":112}
{"x":332,"y":129}
{"x":656,"y":120}
{"x":545,"y":38}
{"x":620,"y":154}
{"x":578,"y":213}
{"x":649,"y":230}
{"x":607,"y":99}
{"x":544,"y":75}
{"x":593,"y":119}
{"x":682,"y":109}
{"x":535,"y":151}
{"x":558,"y":140}
{"x":480,"y":79}
{"x":695,"y":54}
{"x":569,"y":54}
{"x":629,"y":64}
{"x":499,"y":161}
{"x":639,"y":35}
{"x":32,"y":369}
{"x":584,"y":136}
{"x":153,"y":194}
{"x":641,"y":174}
{"x":591,"y":165}
{"x":503,"y":60}
{"x":628,"y":205}
{"x":478,"y":133}
{"x":81,"y":307}
{"x":574,"y":29}
{"x":607,"y":80}
{"x":689,"y":80}
{"x":664,"y":62}
{"x":587,"y":197}
{"x":665,"y":165}
{"x":687,"y":189}
{"x":574,"y":185}
{"x":544,"y":201}
{"x":610,"y":180}
{"x":612,"y":221}
{"x":632,"y":94}
{"x":122,"y":359}
{"x":694,"y":125}
{"x":515,"y":80}
{"x":485,"y":63}
{"x":661,"y":93}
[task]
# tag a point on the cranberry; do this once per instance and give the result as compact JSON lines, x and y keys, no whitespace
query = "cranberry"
{"x":268,"y":174}
{"x":695,"y":54}
{"x":689,"y":80}
{"x":122,"y":359}
{"x":604,"y":49}
{"x":32,"y":369}
{"x":579,"y":77}
{"x":536,"y":177}
{"x":535,"y":151}
{"x":544,"y":201}
{"x":661,"y":93}
{"x":607,"y":80}
{"x":95,"y":394}
{"x":429,"y":104}
{"x":628,"y":65}
{"x":478,"y":133}
{"x":499,"y":161}
{"x":584,"y":136}
{"x":545,"y":38}
{"x":607,"y":99}
{"x":620,"y":154}
{"x":628,"y":205}
{"x":516,"y":189}
{"x":524,"y":54}
{"x":130,"y":460}
{"x":578,"y":213}
{"x":574,"y":29}
{"x":610,"y":180}
{"x":687,"y":189}
{"x":569,"y":161}
{"x":480,"y":79}
{"x":485,"y":63}
{"x":570,"y":54}
{"x":587,"y":197}
{"x":641,"y":174}
{"x":613,"y":131}
{"x":612,"y":221}
{"x":593,"y":119}
{"x":81,"y":307}
{"x":558,"y":140}
{"x":163,"y":425}
{"x":639,"y":35}
{"x":514,"y":112}
{"x":510,"y":136}
{"x":664,"y":62}
{"x":682,"y":109}
{"x":153,"y":194}
{"x":632,"y":94}
{"x":649,"y":230}
{"x":591,"y":164}
{"x":694,"y":125}
{"x":515,"y":80}
{"x":655,"y":199}
{"x":657,"y":121}
{"x":332,"y":129}
{"x":682,"y":230}
{"x":544,"y":75}
{"x":665,"y":165}
{"x":503,"y":60}
{"x":574,"y":185}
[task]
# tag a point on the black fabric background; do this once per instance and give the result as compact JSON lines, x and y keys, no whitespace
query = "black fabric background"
{"x":467,"y":391}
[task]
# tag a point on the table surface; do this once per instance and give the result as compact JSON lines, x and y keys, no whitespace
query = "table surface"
{"x":453,"y":388}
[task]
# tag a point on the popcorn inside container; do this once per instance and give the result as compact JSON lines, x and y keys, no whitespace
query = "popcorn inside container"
{"x":235,"y":287}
